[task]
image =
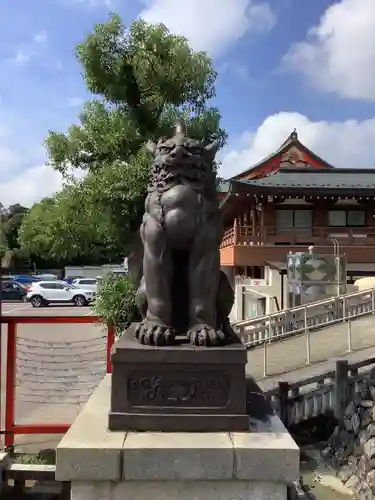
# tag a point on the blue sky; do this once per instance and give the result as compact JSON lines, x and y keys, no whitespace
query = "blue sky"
{"x":282,"y":64}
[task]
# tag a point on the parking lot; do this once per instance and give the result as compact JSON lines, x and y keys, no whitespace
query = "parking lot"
{"x":58,"y":366}
{"x":26,"y":309}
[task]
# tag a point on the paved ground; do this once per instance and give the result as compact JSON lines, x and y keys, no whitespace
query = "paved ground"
{"x":286,"y":360}
{"x":58,"y":366}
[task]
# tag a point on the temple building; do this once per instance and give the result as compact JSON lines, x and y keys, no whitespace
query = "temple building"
{"x":289,"y":202}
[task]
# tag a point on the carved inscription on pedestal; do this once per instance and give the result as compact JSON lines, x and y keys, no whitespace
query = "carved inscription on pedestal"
{"x":183,"y":389}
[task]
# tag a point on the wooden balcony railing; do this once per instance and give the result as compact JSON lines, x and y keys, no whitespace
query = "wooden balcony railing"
{"x":269,"y":235}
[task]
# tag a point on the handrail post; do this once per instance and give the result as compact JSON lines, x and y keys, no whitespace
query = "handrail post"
{"x":349,"y":335}
{"x":373,"y":301}
{"x":307,"y":333}
{"x":10,"y":386}
{"x":269,"y":328}
{"x":340,"y":388}
{"x":264,"y":358}
{"x":283,"y":401}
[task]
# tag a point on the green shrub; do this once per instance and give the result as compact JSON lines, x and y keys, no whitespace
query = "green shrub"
{"x":115,"y":302}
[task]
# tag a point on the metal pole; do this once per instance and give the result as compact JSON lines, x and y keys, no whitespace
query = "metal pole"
{"x":337,"y":253}
{"x":269,"y":329}
{"x":334,"y":245}
{"x":307,"y":332}
{"x":1,"y":296}
{"x":349,"y":335}
{"x":10,"y":386}
{"x":264,"y":358}
{"x":111,"y":336}
{"x":1,"y":288}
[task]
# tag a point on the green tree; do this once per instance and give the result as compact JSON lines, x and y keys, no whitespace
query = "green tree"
{"x":63,"y":228}
{"x":145,"y":78}
{"x":3,"y":245}
{"x":33,"y":234}
{"x":12,"y":221}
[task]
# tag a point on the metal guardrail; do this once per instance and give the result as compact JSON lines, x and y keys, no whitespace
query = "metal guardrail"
{"x":304,"y":320}
{"x":275,"y":326}
{"x":329,"y":392}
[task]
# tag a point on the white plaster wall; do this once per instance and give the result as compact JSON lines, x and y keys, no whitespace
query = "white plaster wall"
{"x":273,"y":289}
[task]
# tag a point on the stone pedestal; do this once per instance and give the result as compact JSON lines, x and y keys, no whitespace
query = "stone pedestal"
{"x":178,"y":388}
{"x":105,"y":465}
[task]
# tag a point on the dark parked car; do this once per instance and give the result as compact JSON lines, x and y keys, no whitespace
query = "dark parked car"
{"x":24,"y":279}
{"x":11,"y":290}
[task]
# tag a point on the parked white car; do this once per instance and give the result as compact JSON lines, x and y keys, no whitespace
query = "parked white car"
{"x":86,"y":283}
{"x":43,"y":293}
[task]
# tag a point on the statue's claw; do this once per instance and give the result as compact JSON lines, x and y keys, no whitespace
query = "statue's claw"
{"x":204,"y":335}
{"x":150,"y":333}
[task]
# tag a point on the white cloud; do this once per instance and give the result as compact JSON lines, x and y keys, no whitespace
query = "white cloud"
{"x":339,"y":53}
{"x":29,"y":50}
{"x":74,"y":102}
{"x":344,"y":144}
{"x":96,"y":3}
{"x":9,"y":161}
{"x":30,"y":185}
{"x":210,"y":25}
{"x":40,"y":37}
{"x":21,"y":57}
{"x":24,"y":177}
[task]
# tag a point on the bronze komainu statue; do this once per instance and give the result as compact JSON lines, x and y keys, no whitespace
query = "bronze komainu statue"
{"x":183,"y":290}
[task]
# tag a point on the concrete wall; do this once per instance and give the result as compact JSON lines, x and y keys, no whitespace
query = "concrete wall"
{"x":93,"y":271}
{"x":246,"y":294}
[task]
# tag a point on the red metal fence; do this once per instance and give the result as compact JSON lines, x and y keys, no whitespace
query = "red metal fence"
{"x":9,"y":426}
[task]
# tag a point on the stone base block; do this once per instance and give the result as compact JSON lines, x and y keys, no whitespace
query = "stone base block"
{"x":105,"y":465}
{"x":179,"y":388}
{"x":205,"y":490}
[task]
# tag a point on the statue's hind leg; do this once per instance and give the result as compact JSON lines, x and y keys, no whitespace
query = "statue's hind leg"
{"x":156,"y":328}
{"x":204,"y":269}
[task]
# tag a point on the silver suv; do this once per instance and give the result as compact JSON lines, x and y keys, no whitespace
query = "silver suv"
{"x":43,"y":293}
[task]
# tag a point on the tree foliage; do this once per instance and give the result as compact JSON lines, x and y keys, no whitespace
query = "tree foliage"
{"x":143,"y":78}
{"x":10,"y":222}
{"x":61,"y":228}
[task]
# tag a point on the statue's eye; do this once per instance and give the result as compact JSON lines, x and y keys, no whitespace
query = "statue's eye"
{"x":163,"y":151}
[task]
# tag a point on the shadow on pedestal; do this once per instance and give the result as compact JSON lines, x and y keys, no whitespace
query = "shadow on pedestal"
{"x":178,"y":388}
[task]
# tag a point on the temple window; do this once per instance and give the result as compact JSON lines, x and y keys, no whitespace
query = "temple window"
{"x":346,"y":218}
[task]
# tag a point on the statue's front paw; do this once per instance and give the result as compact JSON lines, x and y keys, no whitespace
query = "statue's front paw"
{"x":150,"y":333}
{"x":204,"y":335}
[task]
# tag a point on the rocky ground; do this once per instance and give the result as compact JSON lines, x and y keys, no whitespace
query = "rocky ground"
{"x":351,"y":448}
